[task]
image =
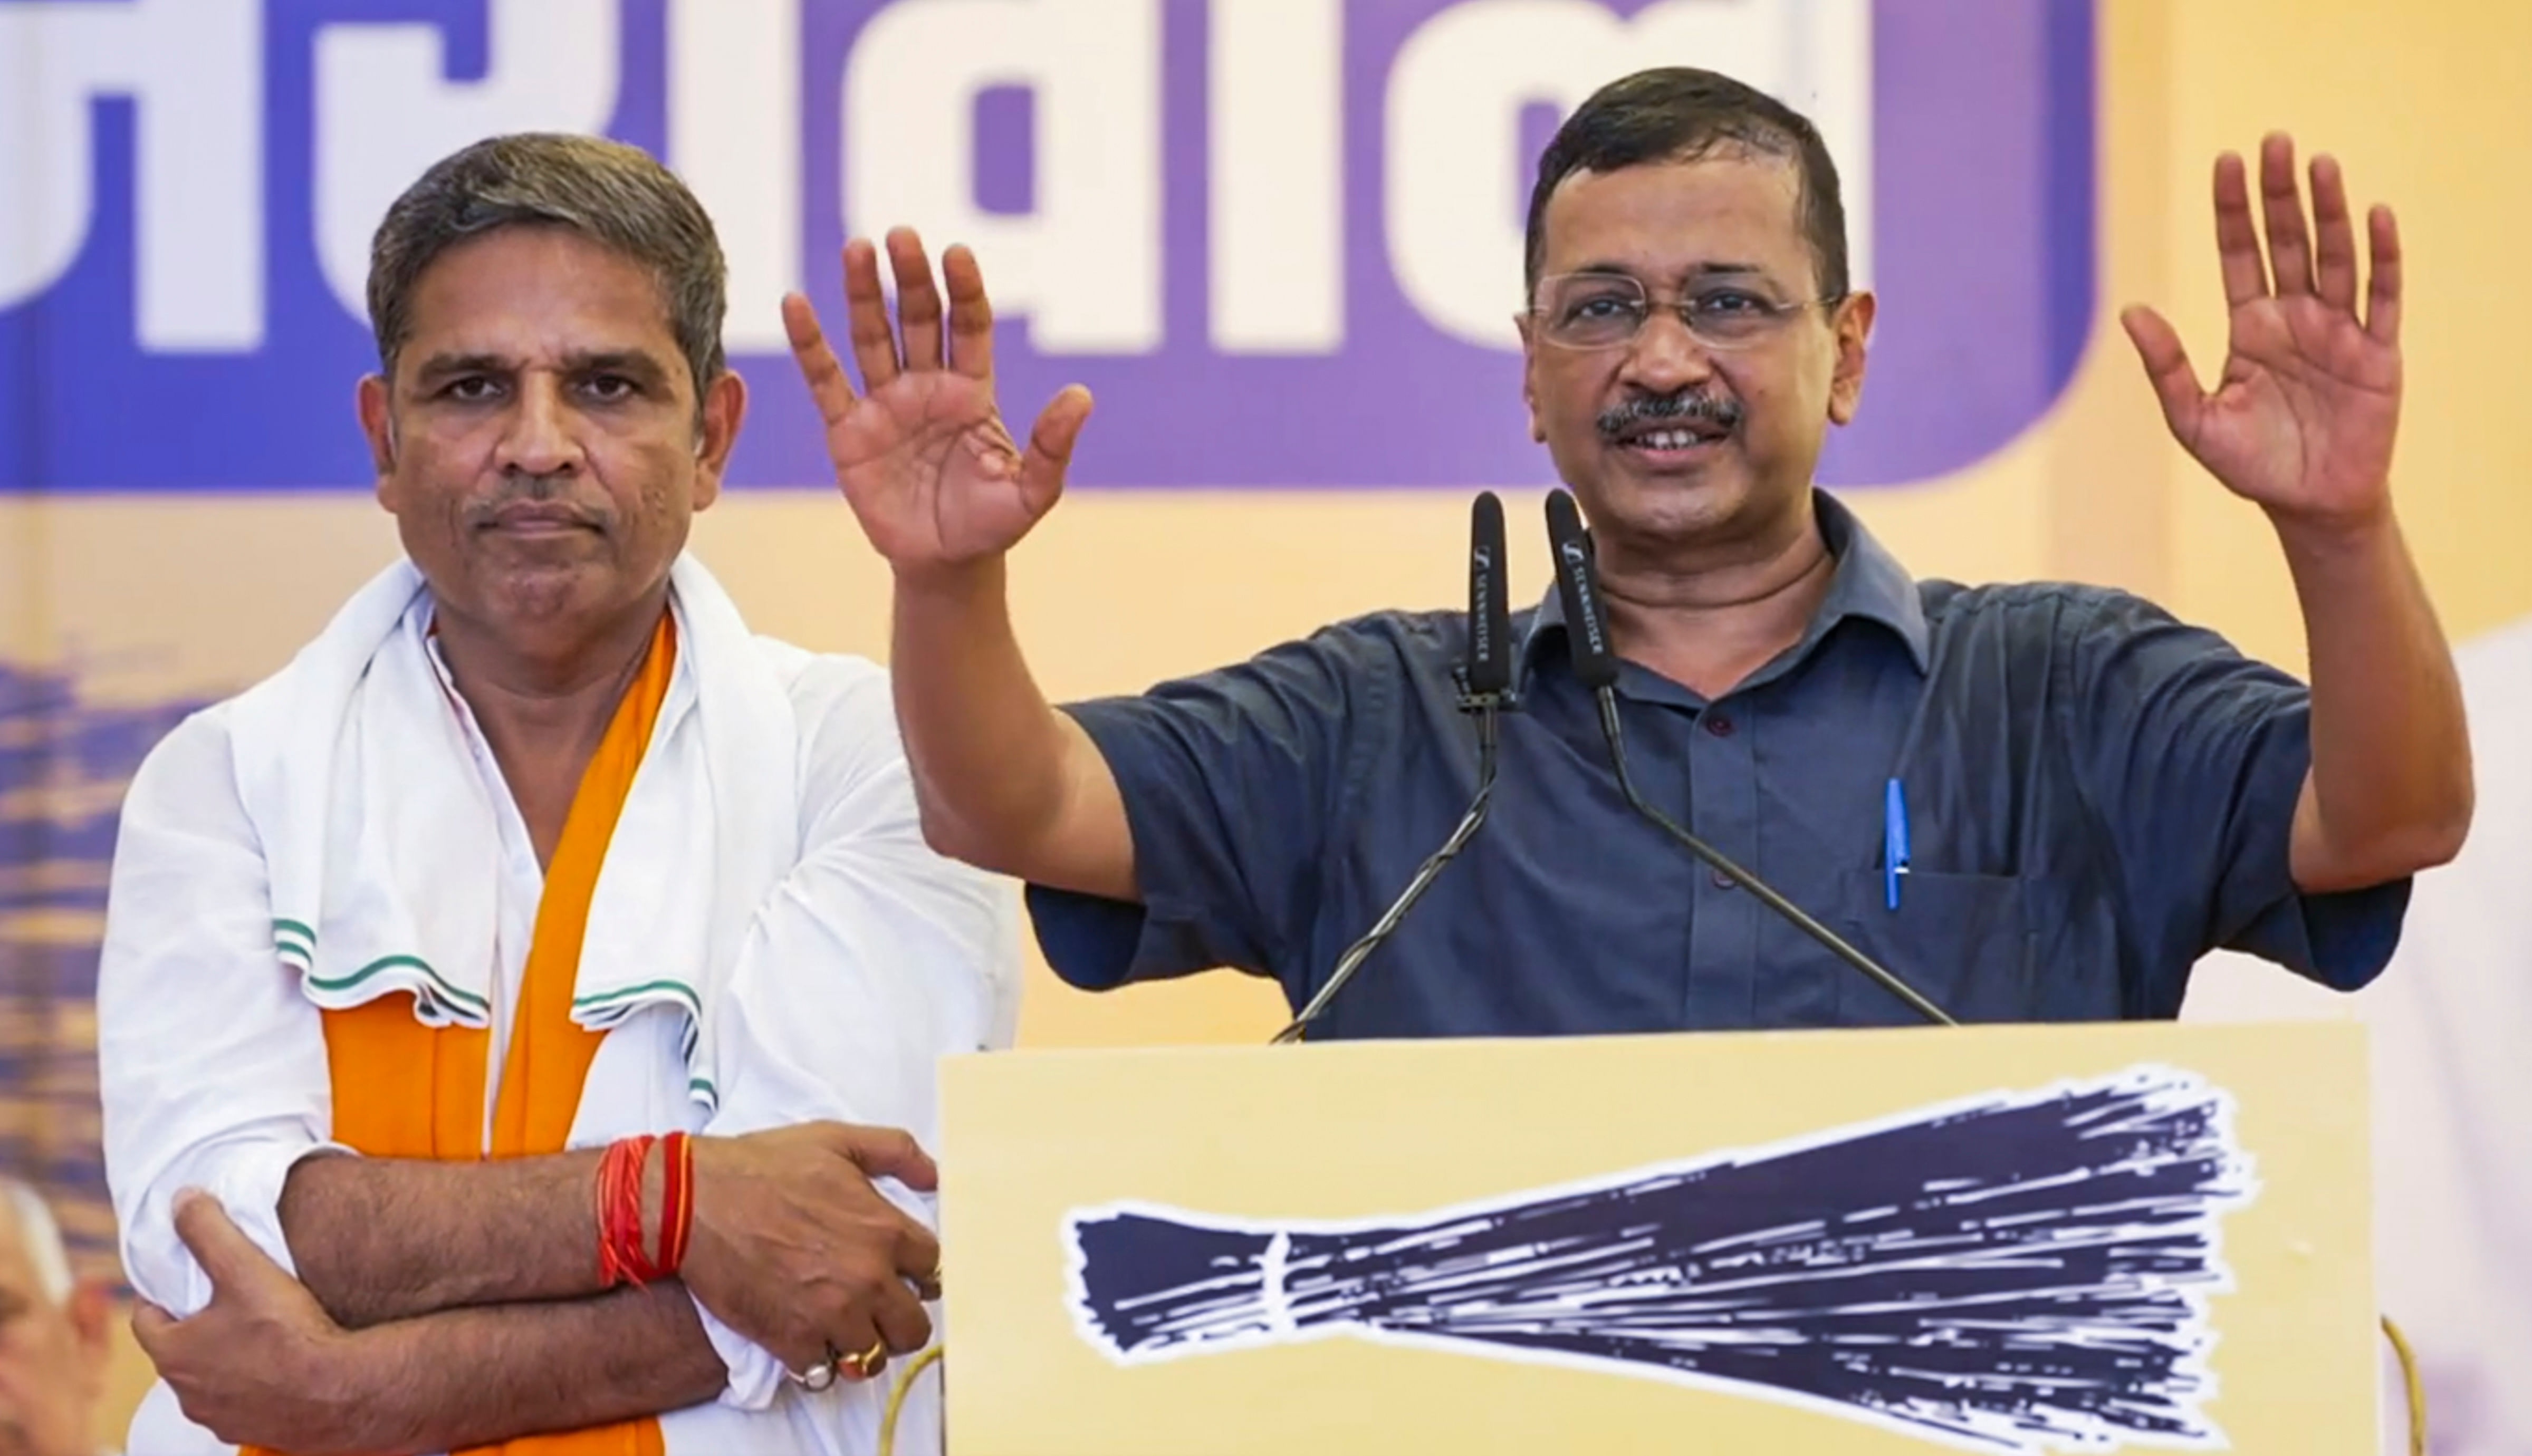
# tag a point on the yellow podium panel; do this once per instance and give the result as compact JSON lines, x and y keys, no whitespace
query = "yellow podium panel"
{"x":2120,"y":1238}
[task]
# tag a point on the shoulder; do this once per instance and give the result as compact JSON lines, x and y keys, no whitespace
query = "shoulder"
{"x":840,"y":709}
{"x":193,"y":765}
{"x":2037,"y":613}
{"x":825,"y":687}
{"x":2080,"y":634}
{"x":1337,"y":669}
{"x":1382,"y":641}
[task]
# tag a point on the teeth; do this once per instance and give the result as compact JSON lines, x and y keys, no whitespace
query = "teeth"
{"x":1668,"y":439}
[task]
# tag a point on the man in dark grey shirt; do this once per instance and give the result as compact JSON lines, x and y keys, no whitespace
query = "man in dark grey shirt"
{"x":2097,"y":794}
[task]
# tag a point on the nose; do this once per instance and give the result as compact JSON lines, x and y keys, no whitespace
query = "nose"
{"x":540,"y":439}
{"x":1664,"y":357}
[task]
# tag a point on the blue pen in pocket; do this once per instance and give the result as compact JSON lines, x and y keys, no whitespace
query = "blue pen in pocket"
{"x":1894,"y":840}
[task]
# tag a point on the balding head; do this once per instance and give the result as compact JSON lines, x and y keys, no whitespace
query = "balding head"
{"x":52,"y":1334}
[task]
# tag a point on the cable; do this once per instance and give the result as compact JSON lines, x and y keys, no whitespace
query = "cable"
{"x":897,"y":1398}
{"x":1487,"y":708}
{"x":2412,"y":1384}
{"x":1766,"y":893}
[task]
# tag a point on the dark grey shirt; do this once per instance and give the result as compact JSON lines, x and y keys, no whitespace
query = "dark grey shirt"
{"x":2096,"y":795}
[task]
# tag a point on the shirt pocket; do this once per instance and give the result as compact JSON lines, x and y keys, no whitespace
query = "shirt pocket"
{"x":1972,"y":944}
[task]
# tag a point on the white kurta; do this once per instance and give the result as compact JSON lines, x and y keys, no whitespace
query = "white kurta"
{"x":871,"y":958}
{"x":2449,"y":1022}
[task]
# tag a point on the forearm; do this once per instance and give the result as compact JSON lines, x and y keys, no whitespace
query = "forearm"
{"x":2391,"y":785}
{"x":467,"y":1377}
{"x":385,"y":1239}
{"x":1000,"y":775}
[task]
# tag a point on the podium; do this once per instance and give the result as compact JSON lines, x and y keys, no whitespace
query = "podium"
{"x":2105,"y":1238}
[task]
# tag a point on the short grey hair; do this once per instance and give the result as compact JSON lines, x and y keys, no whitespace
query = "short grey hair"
{"x":46,"y":1253}
{"x":618,"y":196}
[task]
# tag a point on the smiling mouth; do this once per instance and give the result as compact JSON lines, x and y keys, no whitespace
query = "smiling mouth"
{"x":1673,"y":438}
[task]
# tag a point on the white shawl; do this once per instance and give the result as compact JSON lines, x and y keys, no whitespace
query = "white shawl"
{"x":376,"y":827}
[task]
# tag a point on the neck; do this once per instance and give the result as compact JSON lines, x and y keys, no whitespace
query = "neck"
{"x":543,"y":698}
{"x":1707,"y":617}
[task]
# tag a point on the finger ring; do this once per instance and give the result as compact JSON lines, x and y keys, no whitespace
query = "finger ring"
{"x":818,"y":1377}
{"x":864,"y":1363}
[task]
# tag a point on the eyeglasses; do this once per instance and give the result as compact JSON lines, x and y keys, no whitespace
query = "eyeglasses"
{"x":1603,"y":310}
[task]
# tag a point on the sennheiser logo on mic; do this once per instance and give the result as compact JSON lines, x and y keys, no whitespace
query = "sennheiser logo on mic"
{"x":1577,"y":566}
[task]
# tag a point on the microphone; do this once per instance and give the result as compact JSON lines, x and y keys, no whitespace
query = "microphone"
{"x":1486,"y":690}
{"x":1595,"y":665}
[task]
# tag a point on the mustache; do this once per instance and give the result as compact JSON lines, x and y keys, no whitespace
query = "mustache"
{"x":548,"y":490}
{"x":1720,"y":411}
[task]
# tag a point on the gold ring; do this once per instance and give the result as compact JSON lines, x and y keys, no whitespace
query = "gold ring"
{"x":861,"y":1365}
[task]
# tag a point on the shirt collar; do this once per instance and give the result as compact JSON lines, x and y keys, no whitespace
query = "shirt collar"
{"x":1868,"y":582}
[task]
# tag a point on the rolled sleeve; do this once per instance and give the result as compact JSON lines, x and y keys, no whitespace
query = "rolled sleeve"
{"x":2196,"y":756}
{"x":1231,"y":780}
{"x":211,"y":1067}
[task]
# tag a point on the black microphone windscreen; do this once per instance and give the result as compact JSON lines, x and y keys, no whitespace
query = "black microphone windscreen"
{"x":1578,"y":587}
{"x":1489,"y":617}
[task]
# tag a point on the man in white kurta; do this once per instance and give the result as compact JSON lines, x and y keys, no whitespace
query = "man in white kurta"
{"x":2451,"y":1089}
{"x":772,"y":960}
{"x":867,"y":958}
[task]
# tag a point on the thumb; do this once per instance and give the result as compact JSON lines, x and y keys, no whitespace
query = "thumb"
{"x":224,"y":1251}
{"x":2166,"y":368}
{"x":1050,"y":448}
{"x":151,"y":1326}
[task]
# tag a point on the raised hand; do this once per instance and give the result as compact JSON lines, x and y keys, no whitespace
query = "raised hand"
{"x":2303,"y":417}
{"x":793,"y":1248}
{"x":921,"y":451}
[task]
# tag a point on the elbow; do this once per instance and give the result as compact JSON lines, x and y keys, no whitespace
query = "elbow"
{"x":2437,"y":837}
{"x":2397,"y":854}
{"x":2440,"y":841}
{"x":948,"y":835}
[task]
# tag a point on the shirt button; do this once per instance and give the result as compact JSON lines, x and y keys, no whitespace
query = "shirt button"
{"x":1722,"y":881}
{"x":1719,"y":724}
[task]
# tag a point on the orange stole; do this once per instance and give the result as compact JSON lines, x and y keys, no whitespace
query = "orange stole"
{"x":404,"y":1090}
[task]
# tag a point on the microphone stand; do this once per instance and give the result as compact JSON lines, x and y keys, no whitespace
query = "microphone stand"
{"x":1487,"y":708}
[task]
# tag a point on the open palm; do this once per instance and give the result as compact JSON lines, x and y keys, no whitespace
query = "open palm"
{"x":2303,"y":417}
{"x":921,"y":451}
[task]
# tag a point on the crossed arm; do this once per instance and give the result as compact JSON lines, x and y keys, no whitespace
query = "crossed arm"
{"x":445,"y":1304}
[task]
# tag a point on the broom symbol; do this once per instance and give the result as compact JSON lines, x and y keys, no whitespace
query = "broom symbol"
{"x":2018,"y":1271}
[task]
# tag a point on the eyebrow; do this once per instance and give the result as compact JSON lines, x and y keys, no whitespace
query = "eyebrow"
{"x":637,"y":364}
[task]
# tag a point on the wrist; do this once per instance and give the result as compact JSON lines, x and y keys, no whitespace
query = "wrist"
{"x":954,"y":585}
{"x":357,"y":1368}
{"x":2317,"y":535}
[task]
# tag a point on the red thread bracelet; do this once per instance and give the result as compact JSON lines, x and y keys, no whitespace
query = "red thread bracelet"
{"x":621,"y":1255}
{"x":677,"y":1201}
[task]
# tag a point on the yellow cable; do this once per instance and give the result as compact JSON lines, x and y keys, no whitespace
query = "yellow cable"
{"x":896,"y":1399}
{"x":2412,"y":1384}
